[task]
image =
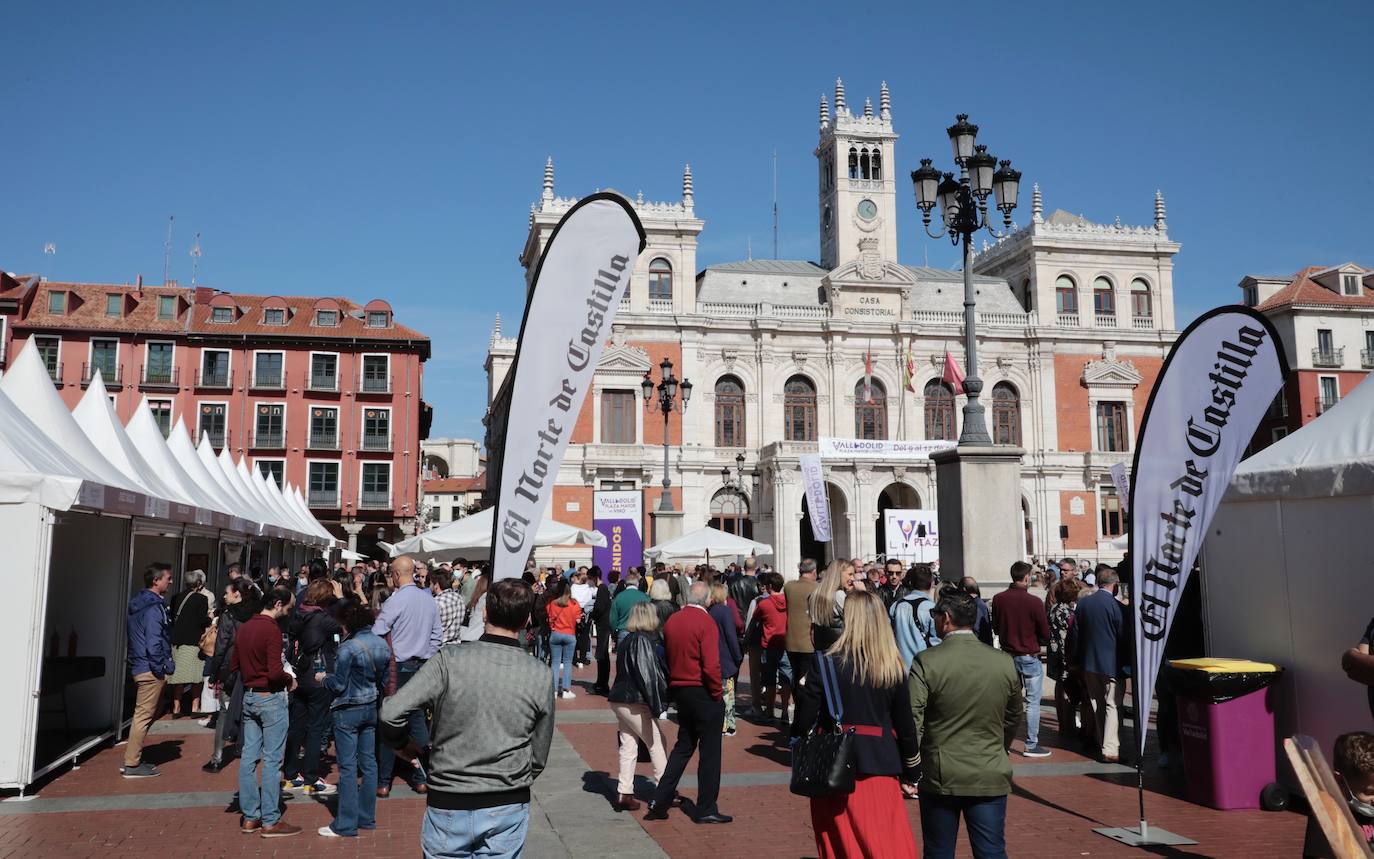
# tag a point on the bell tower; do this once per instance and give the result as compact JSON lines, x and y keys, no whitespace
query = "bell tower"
{"x":857,"y":192}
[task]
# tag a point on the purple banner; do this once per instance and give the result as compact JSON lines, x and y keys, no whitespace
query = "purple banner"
{"x":617,"y":515}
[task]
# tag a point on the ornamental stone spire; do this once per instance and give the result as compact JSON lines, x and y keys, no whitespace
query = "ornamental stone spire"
{"x":548,"y":180}
{"x":1160,"y":224}
{"x":825,"y":113}
{"x":496,"y":330}
{"x":687,"y":199}
{"x":1037,"y":205}
{"x":868,"y":107}
{"x":884,"y":102}
{"x":839,"y":96}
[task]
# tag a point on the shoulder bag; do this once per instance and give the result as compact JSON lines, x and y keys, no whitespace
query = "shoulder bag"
{"x":823,"y":762}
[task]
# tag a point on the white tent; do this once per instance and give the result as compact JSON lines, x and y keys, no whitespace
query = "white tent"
{"x":97,"y":419}
{"x":706,"y":542}
{"x":31,"y":468}
{"x":1286,"y":566}
{"x":212,"y":484}
{"x":146,"y":437}
{"x":470,"y":537}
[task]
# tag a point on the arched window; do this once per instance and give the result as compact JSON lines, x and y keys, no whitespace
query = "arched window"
{"x":729,"y":412}
{"x":730,"y":513}
{"x":1141,"y":306}
{"x":1006,"y":414}
{"x":939,"y":411}
{"x":1027,"y":297}
{"x":1104,"y":298}
{"x":877,"y":164}
{"x":799,"y":409}
{"x":1065,"y":296}
{"x":870,"y":413}
{"x":660,"y":280}
{"x":853,"y":163}
{"x":863,"y":164}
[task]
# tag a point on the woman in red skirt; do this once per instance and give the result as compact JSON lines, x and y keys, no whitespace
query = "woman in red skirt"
{"x":871,"y":822}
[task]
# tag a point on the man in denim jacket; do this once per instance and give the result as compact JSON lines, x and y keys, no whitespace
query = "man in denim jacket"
{"x":360,"y":671}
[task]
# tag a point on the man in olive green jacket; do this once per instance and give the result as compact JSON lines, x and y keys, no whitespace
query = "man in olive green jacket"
{"x":966,"y":698}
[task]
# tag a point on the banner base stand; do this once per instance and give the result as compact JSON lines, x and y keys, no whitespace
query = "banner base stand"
{"x":1154,"y":836}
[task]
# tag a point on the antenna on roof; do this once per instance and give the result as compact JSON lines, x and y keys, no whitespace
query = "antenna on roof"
{"x":775,"y":204}
{"x":50,"y":248}
{"x":195,"y":259}
{"x":749,"y":243}
{"x":167,"y":251}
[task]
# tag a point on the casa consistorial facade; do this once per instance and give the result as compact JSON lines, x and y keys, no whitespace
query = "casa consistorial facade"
{"x":1074,"y":321}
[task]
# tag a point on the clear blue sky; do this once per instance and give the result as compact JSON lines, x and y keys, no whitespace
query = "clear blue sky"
{"x":393,"y":150}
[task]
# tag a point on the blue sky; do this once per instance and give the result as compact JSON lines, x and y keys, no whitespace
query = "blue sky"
{"x":393,"y":150}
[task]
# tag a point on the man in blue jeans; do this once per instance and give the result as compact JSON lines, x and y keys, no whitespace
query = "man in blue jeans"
{"x":1023,"y":626}
{"x":411,"y":616}
{"x":493,"y":725}
{"x":257,"y":659}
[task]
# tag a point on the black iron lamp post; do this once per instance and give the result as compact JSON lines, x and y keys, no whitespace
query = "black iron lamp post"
{"x":964,"y":211}
{"x":670,"y":393}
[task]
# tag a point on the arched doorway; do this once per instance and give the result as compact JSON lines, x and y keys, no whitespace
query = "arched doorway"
{"x":897,"y":496}
{"x":839,"y":529}
{"x":435,"y":466}
{"x":730,"y":513}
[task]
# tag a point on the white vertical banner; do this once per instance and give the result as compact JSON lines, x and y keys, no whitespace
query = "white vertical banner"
{"x":1212,"y":392}
{"x":817,"y":504}
{"x":582,"y":275}
{"x":1122,"y":481}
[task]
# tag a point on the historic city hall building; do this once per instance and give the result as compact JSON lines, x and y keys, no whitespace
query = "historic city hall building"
{"x":1074,"y":321}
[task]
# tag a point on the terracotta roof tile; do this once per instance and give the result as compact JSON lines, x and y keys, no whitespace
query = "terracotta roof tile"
{"x":457,"y":484}
{"x":1304,"y":290}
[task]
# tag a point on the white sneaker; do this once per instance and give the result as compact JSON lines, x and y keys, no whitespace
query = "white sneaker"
{"x":327,"y":832}
{"x":567,"y":693}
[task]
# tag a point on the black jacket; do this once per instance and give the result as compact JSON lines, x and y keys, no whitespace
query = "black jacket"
{"x":191,"y":613}
{"x":229,"y":622}
{"x":601,"y":605}
{"x":312,"y":630}
{"x":897,"y":752}
{"x":639,"y":675}
{"x":743,"y":590}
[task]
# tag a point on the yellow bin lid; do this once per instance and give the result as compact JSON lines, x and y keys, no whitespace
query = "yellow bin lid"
{"x":1218,"y":665}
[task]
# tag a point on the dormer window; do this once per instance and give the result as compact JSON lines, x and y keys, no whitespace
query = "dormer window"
{"x":57,"y":303}
{"x":327,"y":318}
{"x":166,"y":307}
{"x":378,"y":319}
{"x":1350,"y":284}
{"x":222,"y":314}
{"x":114,"y":305}
{"x":274,"y":316}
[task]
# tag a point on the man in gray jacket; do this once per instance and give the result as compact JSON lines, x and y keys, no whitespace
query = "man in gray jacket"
{"x":493,"y":723}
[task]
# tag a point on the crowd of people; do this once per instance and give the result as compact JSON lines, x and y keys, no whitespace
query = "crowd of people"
{"x":438,"y":677}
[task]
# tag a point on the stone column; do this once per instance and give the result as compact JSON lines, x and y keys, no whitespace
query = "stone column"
{"x":979,"y":502}
{"x":353,"y":529}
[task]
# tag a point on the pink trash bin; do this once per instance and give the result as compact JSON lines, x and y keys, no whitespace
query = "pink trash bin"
{"x":1228,"y":742}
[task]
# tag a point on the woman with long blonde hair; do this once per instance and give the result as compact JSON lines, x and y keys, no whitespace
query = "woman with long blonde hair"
{"x":865,"y":673}
{"x":826,"y":604}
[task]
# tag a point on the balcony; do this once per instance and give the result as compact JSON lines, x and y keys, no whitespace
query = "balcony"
{"x":1367,"y":358}
{"x":375,"y":442}
{"x":55,"y":372}
{"x":1328,"y":357}
{"x":159,"y":378}
{"x":1105,"y":320}
{"x":321,"y":382}
{"x":324,"y":498}
{"x":217,"y":438}
{"x":1143,"y":323}
{"x":269,"y":440}
{"x":323,"y":441}
{"x":111,"y":375}
{"x":660,"y":305}
{"x":1323,"y":404}
{"x":374,"y":500}
{"x":270,"y":381}
{"x":374,"y":385}
{"x":1067,"y":320}
{"x":214,"y":378}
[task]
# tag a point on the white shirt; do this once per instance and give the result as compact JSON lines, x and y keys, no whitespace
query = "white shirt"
{"x":585,"y":595}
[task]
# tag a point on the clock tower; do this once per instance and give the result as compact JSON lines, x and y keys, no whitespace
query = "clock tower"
{"x":857,"y":191}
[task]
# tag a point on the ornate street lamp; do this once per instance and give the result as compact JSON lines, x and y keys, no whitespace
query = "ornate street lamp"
{"x":670,"y":392}
{"x":963,"y":206}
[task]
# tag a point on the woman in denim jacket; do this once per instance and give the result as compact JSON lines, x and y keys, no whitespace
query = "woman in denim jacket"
{"x":359,"y":672}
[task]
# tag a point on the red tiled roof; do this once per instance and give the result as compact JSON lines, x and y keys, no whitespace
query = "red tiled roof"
{"x":457,"y":484}
{"x":1304,"y":290}
{"x":86,"y":308}
{"x":300,"y":318}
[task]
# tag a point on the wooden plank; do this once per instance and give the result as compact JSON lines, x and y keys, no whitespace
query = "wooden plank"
{"x":1326,"y":799}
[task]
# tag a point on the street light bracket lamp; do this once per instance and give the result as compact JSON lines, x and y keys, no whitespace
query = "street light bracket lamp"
{"x":673,"y":395}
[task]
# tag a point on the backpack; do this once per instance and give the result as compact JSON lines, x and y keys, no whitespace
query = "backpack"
{"x":915,"y":603}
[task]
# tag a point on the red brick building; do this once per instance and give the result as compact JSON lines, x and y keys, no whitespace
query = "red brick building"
{"x":319,"y":392}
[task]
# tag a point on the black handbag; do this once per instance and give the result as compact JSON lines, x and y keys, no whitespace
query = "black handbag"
{"x":823,"y":762}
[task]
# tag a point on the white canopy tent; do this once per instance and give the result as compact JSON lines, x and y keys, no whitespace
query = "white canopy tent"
{"x":1286,"y":565}
{"x":146,"y":436}
{"x":705,"y":543}
{"x":96,"y":417}
{"x":470,"y":537}
{"x":32,"y":470}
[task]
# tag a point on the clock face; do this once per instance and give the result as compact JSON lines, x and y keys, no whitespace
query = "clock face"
{"x":868,"y":210}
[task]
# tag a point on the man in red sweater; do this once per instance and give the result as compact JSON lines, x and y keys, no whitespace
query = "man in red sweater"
{"x":257,"y":659}
{"x":1022,"y":626}
{"x":692,"y":643}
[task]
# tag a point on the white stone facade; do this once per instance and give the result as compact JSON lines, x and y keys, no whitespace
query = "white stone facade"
{"x":761,"y":323}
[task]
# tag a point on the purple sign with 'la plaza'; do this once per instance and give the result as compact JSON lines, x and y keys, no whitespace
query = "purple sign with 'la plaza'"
{"x":617,"y":515}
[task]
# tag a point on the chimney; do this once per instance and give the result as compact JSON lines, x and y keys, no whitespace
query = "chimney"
{"x":204,"y":294}
{"x":139,"y":282}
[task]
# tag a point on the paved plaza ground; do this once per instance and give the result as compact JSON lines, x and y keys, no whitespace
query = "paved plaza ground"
{"x":93,"y":812}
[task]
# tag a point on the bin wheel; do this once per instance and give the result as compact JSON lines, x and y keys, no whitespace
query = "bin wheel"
{"x":1274,"y":797}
